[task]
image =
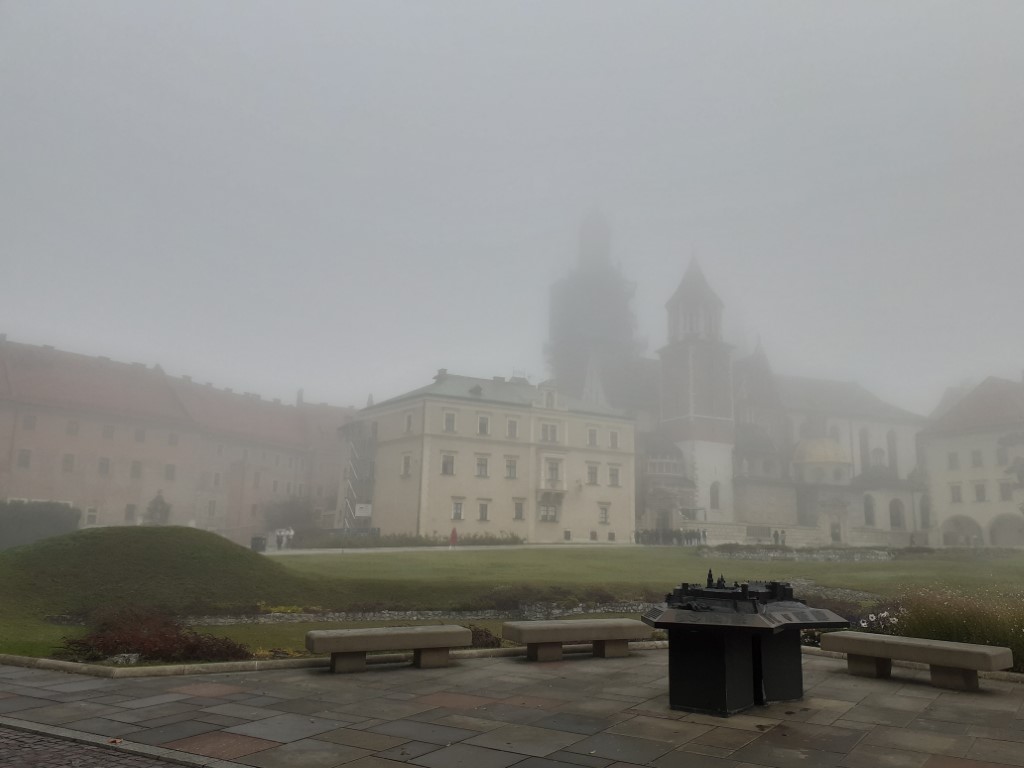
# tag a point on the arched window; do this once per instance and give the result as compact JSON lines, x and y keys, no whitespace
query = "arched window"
{"x":891,"y":441}
{"x":714,"y":494}
{"x":865,"y":449}
{"x":896,"y":519}
{"x":869,"y":510}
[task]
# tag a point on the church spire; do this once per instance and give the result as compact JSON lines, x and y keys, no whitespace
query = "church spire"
{"x":694,"y":309}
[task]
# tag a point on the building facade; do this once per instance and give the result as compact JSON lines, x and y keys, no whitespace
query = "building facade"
{"x":973,"y":458}
{"x":492,"y":457}
{"x":109,"y":437}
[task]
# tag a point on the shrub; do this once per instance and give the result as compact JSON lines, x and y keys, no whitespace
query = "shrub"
{"x":950,"y":614}
{"x":153,"y":634}
{"x":484,"y":638}
{"x":324,"y":539}
{"x":23,"y":522}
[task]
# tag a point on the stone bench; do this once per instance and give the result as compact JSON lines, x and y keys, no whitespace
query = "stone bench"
{"x":544,"y":639}
{"x":952,"y":665}
{"x":348,"y":647}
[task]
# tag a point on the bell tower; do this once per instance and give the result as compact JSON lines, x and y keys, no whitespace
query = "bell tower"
{"x":696,"y":390}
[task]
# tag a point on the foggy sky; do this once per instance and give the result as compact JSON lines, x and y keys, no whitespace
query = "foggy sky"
{"x":345,"y":196}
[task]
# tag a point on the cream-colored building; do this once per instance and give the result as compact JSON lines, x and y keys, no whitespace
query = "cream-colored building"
{"x":973,"y":455}
{"x":492,"y":456}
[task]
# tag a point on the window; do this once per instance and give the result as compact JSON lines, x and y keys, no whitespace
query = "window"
{"x":456,"y":510}
{"x":104,"y":467}
{"x":716,"y":490}
{"x":547,"y":513}
{"x":591,"y":436}
{"x":67,"y":463}
{"x":449,"y":422}
{"x":1006,"y":492}
{"x":483,"y":425}
{"x":483,"y":511}
{"x":896,"y":518}
{"x":613,"y":476}
{"x":136,"y":471}
{"x":549,"y":433}
{"x":406,"y":465}
{"x":602,"y":514}
{"x":955,"y":494}
{"x":28,"y":421}
{"x":869,"y":510}
{"x":481,"y":466}
{"x":24,"y":458}
{"x":408,"y":422}
{"x":140,"y":435}
{"x":211,"y":508}
{"x":519,"y":510}
{"x":129,"y":513}
{"x":979,"y":492}
{"x":513,"y":429}
{"x":511,"y":469}
{"x":169,"y":472}
{"x":591,"y":474}
{"x":593,"y":535}
{"x":953,"y":461}
{"x":613,"y":439}
{"x":90,"y":516}
{"x":976,"y":458}
{"x":255,"y":479}
{"x":611,"y":535}
{"x":72,"y":428}
{"x":553,"y":470}
{"x":1002,"y":456}
{"x":447,"y":464}
{"x":567,"y":535}
{"x":172,"y":438}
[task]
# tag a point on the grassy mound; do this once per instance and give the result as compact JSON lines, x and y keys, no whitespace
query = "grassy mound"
{"x":181,"y":570}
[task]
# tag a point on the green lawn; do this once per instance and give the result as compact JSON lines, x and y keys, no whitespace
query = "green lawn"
{"x":192,"y":572}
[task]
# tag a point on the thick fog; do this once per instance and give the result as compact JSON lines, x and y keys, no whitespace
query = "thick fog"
{"x":344,"y":197}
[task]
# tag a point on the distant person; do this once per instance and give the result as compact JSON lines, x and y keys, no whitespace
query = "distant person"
{"x":288,"y":534}
{"x":453,"y":539}
{"x":279,"y":535}
{"x":783,"y":538}
{"x":775,"y":537}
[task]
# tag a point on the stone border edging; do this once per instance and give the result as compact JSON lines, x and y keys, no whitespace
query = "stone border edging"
{"x":223,"y":667}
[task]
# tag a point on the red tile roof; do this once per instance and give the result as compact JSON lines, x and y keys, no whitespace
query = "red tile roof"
{"x":995,"y":403}
{"x":43,"y":376}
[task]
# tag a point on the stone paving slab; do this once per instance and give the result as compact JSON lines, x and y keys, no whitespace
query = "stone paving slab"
{"x":498,"y":712}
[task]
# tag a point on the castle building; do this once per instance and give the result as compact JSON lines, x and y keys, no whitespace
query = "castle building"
{"x":109,"y":437}
{"x":973,"y":456}
{"x":492,"y":457}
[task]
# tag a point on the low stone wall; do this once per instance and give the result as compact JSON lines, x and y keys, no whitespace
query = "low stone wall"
{"x":843,"y":555}
{"x":526,"y":612}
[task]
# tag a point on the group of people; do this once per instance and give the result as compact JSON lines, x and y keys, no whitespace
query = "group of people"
{"x":689,"y":537}
{"x":284,"y":537}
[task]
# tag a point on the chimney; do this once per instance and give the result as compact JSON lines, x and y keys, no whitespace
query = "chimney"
{"x":441,"y":373}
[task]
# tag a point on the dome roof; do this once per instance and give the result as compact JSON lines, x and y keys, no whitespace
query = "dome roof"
{"x":819,"y":450}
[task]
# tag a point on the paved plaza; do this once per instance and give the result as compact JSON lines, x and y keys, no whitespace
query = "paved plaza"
{"x":498,"y":712}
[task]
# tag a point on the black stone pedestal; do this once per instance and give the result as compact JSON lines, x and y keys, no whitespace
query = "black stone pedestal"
{"x":710,"y":672}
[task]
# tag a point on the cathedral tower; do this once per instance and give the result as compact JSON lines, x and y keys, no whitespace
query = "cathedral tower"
{"x":696,"y":391}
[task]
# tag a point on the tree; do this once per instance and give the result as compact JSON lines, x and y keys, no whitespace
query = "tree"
{"x":158,"y":511}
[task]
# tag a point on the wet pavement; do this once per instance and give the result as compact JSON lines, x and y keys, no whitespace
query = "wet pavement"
{"x":497,"y":712}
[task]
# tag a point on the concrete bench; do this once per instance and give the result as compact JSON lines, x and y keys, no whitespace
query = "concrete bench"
{"x":348,"y":647}
{"x":952,"y":665}
{"x":543,"y":639}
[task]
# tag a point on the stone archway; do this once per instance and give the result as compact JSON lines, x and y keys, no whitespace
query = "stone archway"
{"x":961,"y":531}
{"x":1007,"y":530}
